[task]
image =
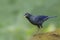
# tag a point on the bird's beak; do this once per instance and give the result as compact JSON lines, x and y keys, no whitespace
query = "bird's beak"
{"x":24,"y":15}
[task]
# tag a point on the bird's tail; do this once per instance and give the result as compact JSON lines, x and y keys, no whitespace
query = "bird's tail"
{"x":52,"y":17}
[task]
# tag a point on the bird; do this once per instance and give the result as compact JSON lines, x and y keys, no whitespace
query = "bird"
{"x":37,"y":20}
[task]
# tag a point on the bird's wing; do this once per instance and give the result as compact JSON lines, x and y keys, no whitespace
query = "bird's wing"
{"x":44,"y":18}
{"x":41,"y":19}
{"x":38,"y":19}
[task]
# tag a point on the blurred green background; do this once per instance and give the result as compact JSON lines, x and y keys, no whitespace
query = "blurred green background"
{"x":13,"y":25}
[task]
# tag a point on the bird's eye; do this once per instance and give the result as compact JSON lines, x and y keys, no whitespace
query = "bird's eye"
{"x":27,"y":14}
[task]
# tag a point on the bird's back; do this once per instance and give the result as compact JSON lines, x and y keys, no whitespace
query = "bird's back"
{"x":41,"y":19}
{"x":38,"y":19}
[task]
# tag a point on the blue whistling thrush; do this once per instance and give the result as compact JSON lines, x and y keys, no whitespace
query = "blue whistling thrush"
{"x":37,"y":20}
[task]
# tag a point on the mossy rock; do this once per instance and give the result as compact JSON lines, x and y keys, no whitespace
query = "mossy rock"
{"x":47,"y":36}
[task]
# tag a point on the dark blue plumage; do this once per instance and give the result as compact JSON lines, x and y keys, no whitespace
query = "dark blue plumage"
{"x":37,"y":20}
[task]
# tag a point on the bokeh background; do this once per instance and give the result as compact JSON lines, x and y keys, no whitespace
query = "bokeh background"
{"x":13,"y":25}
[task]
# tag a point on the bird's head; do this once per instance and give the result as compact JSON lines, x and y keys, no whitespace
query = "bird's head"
{"x":27,"y":15}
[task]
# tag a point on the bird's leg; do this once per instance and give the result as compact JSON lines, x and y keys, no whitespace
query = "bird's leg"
{"x":41,"y":26}
{"x":37,"y":31}
{"x":38,"y":28}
